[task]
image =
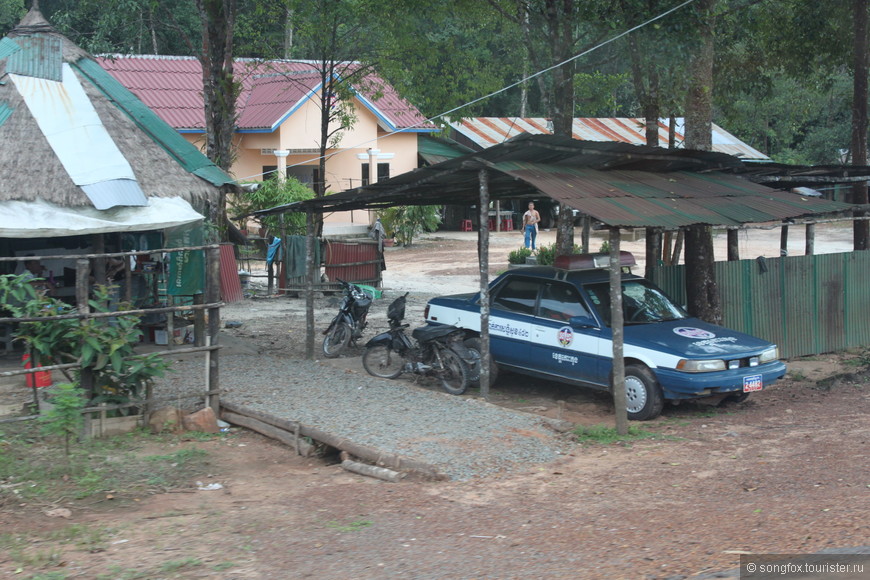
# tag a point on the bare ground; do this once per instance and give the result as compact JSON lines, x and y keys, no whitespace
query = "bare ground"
{"x":786,"y":471}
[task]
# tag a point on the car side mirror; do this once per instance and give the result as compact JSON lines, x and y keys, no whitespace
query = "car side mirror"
{"x":582,"y":322}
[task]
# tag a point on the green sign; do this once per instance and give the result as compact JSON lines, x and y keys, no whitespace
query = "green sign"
{"x":186,"y":268}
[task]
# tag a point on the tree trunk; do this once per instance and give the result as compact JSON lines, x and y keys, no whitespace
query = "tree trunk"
{"x":220,"y":89}
{"x":560,"y":22}
{"x":702,"y":292}
{"x":861,"y":228}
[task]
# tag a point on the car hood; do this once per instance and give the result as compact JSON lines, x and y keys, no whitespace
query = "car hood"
{"x":692,"y":337}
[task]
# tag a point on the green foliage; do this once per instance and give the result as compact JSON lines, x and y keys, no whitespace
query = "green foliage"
{"x":519,"y":255}
{"x":45,"y":473}
{"x":605,"y":247}
{"x":604,"y":435}
{"x":63,"y":418}
{"x":11,"y":12}
{"x":102,"y":345}
{"x":547,"y":254}
{"x":599,"y":94}
{"x":350,"y":527}
{"x":271,"y":193}
{"x":406,"y":222}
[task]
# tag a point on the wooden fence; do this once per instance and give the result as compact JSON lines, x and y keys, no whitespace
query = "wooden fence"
{"x":206,"y":313}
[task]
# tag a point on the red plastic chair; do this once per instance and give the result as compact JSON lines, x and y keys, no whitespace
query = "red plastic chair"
{"x":465,"y":226}
{"x":507,"y":224}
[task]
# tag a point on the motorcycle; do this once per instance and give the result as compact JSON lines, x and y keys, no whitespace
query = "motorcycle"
{"x":349,"y":323}
{"x":437,"y":350}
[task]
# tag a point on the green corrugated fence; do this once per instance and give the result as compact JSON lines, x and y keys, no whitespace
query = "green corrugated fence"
{"x":805,"y":304}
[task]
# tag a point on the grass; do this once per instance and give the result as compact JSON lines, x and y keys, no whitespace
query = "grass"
{"x":604,"y":435}
{"x":351,"y":527}
{"x":36,"y":468}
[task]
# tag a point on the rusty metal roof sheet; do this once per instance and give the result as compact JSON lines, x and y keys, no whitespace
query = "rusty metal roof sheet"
{"x":484,"y":132}
{"x":615,"y":183}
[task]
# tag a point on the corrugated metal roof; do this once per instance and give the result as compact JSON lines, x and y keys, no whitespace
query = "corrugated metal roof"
{"x":615,"y":183}
{"x":172,"y":87}
{"x":8,"y":47}
{"x":40,"y":57}
{"x":435,"y":150}
{"x":488,"y":131}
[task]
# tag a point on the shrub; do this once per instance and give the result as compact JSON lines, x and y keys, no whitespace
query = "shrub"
{"x":519,"y":255}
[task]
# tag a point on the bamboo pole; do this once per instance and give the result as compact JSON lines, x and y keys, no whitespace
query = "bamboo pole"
{"x":212,"y":289}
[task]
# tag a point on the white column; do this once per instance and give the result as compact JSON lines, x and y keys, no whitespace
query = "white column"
{"x":282,"y":154}
{"x":373,"y":165}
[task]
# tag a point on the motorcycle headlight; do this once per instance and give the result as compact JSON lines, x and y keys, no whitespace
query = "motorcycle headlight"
{"x":769,"y":355}
{"x":701,"y":366}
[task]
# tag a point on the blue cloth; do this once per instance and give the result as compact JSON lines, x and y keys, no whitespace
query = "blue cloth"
{"x":531,"y":234}
{"x":274,"y":248}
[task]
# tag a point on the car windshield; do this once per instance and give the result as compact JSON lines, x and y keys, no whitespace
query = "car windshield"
{"x":642,"y":303}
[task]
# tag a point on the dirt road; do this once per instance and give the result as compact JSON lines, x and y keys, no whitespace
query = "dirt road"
{"x":784,"y":472}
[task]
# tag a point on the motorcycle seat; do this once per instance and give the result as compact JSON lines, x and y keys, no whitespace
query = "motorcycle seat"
{"x":433,"y":331}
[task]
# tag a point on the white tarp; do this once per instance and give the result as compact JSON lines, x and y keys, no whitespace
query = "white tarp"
{"x":73,"y":128}
{"x":34,"y":219}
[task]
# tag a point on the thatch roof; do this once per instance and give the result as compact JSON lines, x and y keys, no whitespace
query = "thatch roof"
{"x":163,"y":162}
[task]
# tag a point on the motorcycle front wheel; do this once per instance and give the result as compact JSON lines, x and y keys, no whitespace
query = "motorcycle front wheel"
{"x":381,"y":361}
{"x":454,"y":372}
{"x":336,"y":340}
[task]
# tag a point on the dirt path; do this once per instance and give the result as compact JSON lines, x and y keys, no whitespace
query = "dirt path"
{"x":784,"y":472}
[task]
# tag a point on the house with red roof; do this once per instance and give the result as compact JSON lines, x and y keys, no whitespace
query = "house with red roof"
{"x":278,"y":125}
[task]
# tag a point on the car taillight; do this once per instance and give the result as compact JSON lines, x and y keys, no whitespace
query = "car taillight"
{"x":426,"y":313}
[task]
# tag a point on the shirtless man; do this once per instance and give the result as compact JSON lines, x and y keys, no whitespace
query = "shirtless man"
{"x":530,"y":225}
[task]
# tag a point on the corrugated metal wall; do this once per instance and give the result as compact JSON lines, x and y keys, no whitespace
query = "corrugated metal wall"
{"x":354,"y":262}
{"x":805,"y":304}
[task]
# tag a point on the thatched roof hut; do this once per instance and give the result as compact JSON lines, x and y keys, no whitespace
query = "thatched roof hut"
{"x":75,"y":139}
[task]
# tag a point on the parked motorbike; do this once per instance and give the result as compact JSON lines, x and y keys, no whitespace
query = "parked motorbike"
{"x":437,"y":350}
{"x":349,"y":323}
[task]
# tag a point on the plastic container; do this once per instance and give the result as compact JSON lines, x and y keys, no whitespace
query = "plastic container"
{"x":39,"y":379}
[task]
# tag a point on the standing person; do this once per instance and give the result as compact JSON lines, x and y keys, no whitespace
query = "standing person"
{"x":34,"y":272}
{"x":530,"y":225}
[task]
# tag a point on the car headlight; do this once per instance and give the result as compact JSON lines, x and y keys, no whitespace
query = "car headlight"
{"x":700,"y":366}
{"x":769,"y":355}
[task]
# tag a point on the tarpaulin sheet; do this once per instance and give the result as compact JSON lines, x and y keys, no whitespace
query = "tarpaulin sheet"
{"x":34,"y":219}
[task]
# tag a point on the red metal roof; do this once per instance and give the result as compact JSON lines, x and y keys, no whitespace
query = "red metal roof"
{"x":271,"y":91}
{"x":488,"y":131}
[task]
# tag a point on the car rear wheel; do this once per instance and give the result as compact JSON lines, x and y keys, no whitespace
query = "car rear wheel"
{"x":643,"y":396}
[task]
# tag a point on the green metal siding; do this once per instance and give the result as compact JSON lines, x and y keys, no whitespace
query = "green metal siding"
{"x":40,"y":57}
{"x":805,"y":304}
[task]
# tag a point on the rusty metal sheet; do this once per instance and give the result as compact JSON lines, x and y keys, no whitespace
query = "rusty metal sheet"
{"x":231,"y":285}
{"x":353,"y":261}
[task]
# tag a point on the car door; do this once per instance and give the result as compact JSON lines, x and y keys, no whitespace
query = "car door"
{"x":559,"y":349}
{"x":512,"y":308}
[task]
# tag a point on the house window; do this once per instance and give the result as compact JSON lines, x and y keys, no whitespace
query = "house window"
{"x":383,"y":172}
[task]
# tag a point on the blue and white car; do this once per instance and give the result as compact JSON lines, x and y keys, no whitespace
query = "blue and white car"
{"x":554,"y":323}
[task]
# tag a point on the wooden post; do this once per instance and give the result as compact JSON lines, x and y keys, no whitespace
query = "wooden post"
{"x":810,"y":239}
{"x":667,"y":247}
{"x":584,"y":236}
{"x":483,"y":255}
{"x":616,"y":326}
{"x":309,"y":283}
{"x":86,"y":376}
{"x":783,"y":240}
{"x":653,"y":250}
{"x":212,"y":296}
{"x":199,"y":316}
{"x":678,"y":248}
{"x":733,"y":246}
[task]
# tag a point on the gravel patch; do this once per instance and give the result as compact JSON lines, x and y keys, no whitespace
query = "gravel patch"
{"x":461,"y":437}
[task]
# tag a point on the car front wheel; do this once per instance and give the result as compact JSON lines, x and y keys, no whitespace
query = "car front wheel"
{"x":643,"y":396}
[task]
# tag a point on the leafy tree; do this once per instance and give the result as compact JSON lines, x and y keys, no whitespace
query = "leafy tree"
{"x":273,"y":192}
{"x":64,"y":417}
{"x":11,"y":12}
{"x":407,"y":222}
